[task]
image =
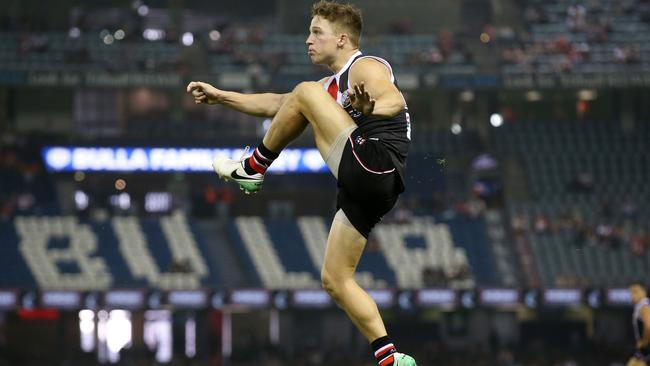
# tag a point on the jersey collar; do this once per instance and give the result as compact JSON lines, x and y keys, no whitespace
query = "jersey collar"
{"x":347,"y":65}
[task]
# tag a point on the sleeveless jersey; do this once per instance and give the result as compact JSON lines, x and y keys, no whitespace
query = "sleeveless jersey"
{"x":637,"y":321}
{"x":394,"y":133}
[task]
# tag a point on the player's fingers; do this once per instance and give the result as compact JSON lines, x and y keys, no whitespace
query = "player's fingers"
{"x":191,"y":86}
{"x":357,"y":90}
{"x":362,"y":87}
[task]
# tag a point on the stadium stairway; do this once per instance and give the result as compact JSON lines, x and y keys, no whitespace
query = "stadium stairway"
{"x":221,"y":254}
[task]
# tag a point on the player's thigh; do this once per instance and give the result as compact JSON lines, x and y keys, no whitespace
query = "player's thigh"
{"x":344,"y":248}
{"x":327,"y":118}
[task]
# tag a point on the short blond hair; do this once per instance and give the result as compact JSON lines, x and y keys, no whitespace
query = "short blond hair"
{"x":343,"y":16}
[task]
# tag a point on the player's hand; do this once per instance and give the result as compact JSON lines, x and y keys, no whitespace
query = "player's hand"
{"x":361,"y":99}
{"x":205,"y":93}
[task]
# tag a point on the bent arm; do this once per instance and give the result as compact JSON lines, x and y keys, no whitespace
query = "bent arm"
{"x":377,"y":80}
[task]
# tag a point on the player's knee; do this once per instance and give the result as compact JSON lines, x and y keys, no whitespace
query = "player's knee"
{"x":329,"y":283}
{"x":306,"y":88}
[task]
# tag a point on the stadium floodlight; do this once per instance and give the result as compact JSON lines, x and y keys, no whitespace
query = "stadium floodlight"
{"x":108,"y":39}
{"x":157,"y":202}
{"x":152,"y":34}
{"x":158,"y":334}
{"x":215,"y":35}
{"x":456,"y":128}
{"x":187,"y":39}
{"x":533,"y":96}
{"x":466,"y":96}
{"x":74,"y":32}
{"x":143,"y":10}
{"x":8,"y":299}
{"x":81,"y":200}
{"x":87,"y":330}
{"x":496,"y":120}
{"x":190,"y":337}
{"x":587,"y":95}
{"x":118,"y":332}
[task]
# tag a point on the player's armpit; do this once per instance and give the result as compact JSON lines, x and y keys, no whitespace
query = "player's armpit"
{"x":377,"y":80}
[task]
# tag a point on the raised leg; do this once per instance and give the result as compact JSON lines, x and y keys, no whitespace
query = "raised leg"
{"x":308,"y":103}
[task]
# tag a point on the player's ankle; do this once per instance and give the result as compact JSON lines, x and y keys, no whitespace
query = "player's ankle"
{"x":384,"y":350}
{"x":260,"y":160}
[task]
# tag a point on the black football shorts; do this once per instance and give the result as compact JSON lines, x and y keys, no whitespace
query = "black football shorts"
{"x":368,"y":182}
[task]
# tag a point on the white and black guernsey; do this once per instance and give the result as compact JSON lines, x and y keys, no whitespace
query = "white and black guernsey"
{"x":394,"y":133}
{"x":637,"y":321}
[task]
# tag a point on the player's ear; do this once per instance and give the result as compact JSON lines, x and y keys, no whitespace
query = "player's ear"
{"x":343,"y":39}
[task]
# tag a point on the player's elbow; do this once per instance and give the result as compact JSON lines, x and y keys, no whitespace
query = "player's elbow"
{"x":390,"y":108}
{"x":398,"y":105}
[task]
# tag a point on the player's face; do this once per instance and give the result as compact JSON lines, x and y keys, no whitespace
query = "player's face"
{"x":322,"y":41}
{"x":637,"y":293}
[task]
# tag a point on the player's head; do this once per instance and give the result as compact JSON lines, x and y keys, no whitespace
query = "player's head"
{"x":334,"y":27}
{"x":637,"y":292}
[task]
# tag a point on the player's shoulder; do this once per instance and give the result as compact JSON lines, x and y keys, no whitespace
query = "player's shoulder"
{"x":370,"y":61}
{"x":370,"y":65}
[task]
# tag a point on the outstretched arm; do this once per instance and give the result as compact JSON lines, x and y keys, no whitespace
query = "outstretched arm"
{"x":261,"y":105}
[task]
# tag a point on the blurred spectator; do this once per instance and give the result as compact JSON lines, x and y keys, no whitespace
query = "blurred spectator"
{"x":639,"y":244}
{"x":402,"y":213}
{"x":582,"y":183}
{"x":576,"y":17}
{"x":535,"y":13}
{"x":180,"y":266}
{"x":445,"y":42}
{"x":541,"y":224}
{"x":519,"y":224}
{"x":629,"y":209}
{"x":24,"y":186}
{"x":434,"y":277}
{"x":473,"y":207}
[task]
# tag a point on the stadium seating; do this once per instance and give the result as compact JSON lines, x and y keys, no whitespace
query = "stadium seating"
{"x":616,"y":164}
{"x":606,"y":32}
{"x":57,"y":51}
{"x":54,"y":252}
